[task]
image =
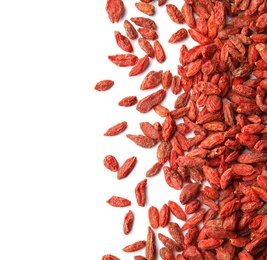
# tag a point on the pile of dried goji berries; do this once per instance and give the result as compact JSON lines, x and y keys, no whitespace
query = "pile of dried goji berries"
{"x":221,"y":89}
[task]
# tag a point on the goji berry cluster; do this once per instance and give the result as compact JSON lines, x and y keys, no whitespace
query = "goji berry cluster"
{"x":221,"y":89}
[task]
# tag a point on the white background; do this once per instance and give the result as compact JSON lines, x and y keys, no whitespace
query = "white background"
{"x":53,"y":185}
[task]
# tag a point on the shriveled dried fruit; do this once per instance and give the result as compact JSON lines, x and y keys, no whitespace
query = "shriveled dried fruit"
{"x":262,"y":193}
{"x":192,"y":206}
{"x":147,"y":103}
{"x":123,"y":60}
{"x":148,"y":33}
{"x":159,"y":52}
{"x":163,"y":152}
{"x":175,"y":14}
{"x":170,"y":243}
{"x":130,"y":30}
{"x":178,"y":36}
{"x":104,"y":85}
{"x":166,"y":79}
{"x":153,"y":216}
{"x":189,"y":192}
{"x":155,"y":169}
{"x":172,"y":178}
{"x":151,"y":80}
{"x":176,"y":210}
{"x":164,"y":215}
{"x":115,"y":10}
{"x":209,"y":243}
{"x":140,"y":193}
{"x":142,"y":140}
{"x":144,"y":22}
{"x":146,"y":8}
{"x":126,"y":168}
{"x":150,"y":245}
{"x":123,"y":42}
{"x":111,"y":163}
{"x":140,"y":66}
{"x":128,"y":101}
{"x":188,"y":15}
{"x":146,"y":46}
{"x":116,"y":129}
{"x":176,"y":232}
{"x":195,"y":219}
{"x":135,"y":246}
{"x":212,"y":140}
{"x":128,"y":222}
{"x":117,"y":201}
{"x":150,"y":131}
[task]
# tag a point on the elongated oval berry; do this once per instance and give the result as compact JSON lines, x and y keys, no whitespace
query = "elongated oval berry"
{"x":135,"y":246}
{"x":211,"y":175}
{"x":198,"y":37}
{"x":175,"y":14}
{"x":159,"y":52}
{"x":166,"y":79}
{"x":242,"y":169}
{"x":146,"y":46}
{"x":145,"y":8}
{"x":123,"y":42}
{"x":170,"y":243}
{"x":123,"y":60}
{"x":111,"y":163}
{"x":128,"y":222}
{"x":188,"y":15}
{"x":148,"y":34}
{"x":140,"y":66}
{"x":150,"y":250}
{"x":164,"y":216}
{"x":104,"y":85}
{"x":153,"y":217}
{"x":130,"y":30}
{"x":115,"y":10}
{"x":176,"y":232}
{"x":154,"y":170}
{"x":147,"y":103}
{"x":150,"y":131}
{"x":151,"y":80}
{"x":178,"y":36}
{"x":163,"y":152}
{"x":126,"y":168}
{"x":128,"y":101}
{"x":116,"y":129}
{"x":142,"y":140}
{"x":209,"y":243}
{"x":212,"y":140}
{"x":144,"y":22}
{"x":140,"y":193}
{"x":176,"y":210}
{"x":262,"y":193}
{"x":194,"y":220}
{"x":189,"y":192}
{"x":249,"y":158}
{"x":117,"y":201}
